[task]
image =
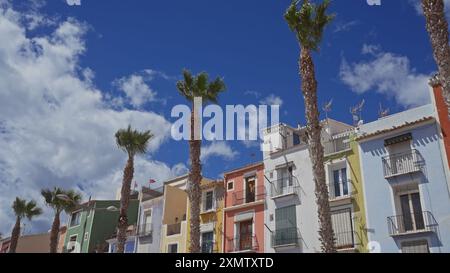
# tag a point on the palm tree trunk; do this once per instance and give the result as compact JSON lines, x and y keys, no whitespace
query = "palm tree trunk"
{"x":15,"y":236}
{"x":314,"y":130}
{"x":54,"y":233}
{"x":124,"y":202}
{"x":194,"y":190}
{"x":437,"y":28}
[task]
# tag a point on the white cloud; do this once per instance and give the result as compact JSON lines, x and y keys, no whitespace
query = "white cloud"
{"x":136,"y":90}
{"x":252,"y":93}
{"x":218,"y":149}
{"x":343,"y":27}
{"x":388,"y":74}
{"x":56,"y":128}
{"x":272,"y":100}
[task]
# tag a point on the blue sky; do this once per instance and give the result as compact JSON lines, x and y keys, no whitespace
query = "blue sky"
{"x":102,"y":65}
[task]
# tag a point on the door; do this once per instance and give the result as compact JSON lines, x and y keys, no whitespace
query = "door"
{"x":245,"y":235}
{"x":285,"y":180}
{"x":412,"y":215}
{"x":147,"y":221}
{"x":207,"y":242}
{"x":343,"y":228}
{"x":250,"y":190}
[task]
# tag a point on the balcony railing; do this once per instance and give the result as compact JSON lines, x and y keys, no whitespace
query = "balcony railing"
{"x":243,"y":243}
{"x":145,"y":230}
{"x":336,"y":145}
{"x":403,"y":163}
{"x":285,"y":237}
{"x":246,"y":197}
{"x":173,"y":229}
{"x":340,"y":189}
{"x":412,"y":223}
{"x":209,"y":247}
{"x":346,"y":240}
{"x":285,"y":186}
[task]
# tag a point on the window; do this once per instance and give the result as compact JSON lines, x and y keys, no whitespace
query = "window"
{"x":147,"y":221}
{"x":250,"y":190}
{"x":129,"y":247}
{"x":230,"y":186}
{"x":207,"y":242}
{"x":172,"y":248}
{"x":411,"y":210}
{"x":339,"y":187}
{"x":296,"y":139}
{"x":75,"y":220}
{"x":245,"y":238}
{"x":72,"y":244}
{"x":285,"y":226}
{"x":415,"y":247}
{"x":343,"y":228}
{"x":208,"y":201}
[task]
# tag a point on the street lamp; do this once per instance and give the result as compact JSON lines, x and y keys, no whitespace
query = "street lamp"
{"x":87,"y":207}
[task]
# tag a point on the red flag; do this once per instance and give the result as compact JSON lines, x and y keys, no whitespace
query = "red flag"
{"x":135,"y":185}
{"x":152,"y":181}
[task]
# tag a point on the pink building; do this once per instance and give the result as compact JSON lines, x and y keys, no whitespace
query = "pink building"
{"x":244,"y":209}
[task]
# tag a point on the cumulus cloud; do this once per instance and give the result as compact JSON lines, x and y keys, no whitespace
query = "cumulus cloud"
{"x":136,"y":89}
{"x":272,"y":100}
{"x":56,"y":128}
{"x":386,"y":73}
{"x":218,"y":149}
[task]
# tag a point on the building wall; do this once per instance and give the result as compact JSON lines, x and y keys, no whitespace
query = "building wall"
{"x":39,"y":243}
{"x":443,"y":117}
{"x":432,"y":184}
{"x":257,"y":208}
{"x":151,"y":244}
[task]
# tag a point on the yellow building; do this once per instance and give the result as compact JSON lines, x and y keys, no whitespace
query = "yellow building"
{"x":175,"y":222}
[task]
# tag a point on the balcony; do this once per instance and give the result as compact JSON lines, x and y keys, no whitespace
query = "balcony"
{"x":346,"y":240}
{"x":340,"y":190}
{"x":284,"y":187}
{"x":145,"y":230}
{"x":404,"y":163}
{"x":209,"y":247}
{"x":243,"y":243}
{"x":173,"y":229}
{"x":412,"y":223}
{"x":247,"y":197}
{"x":286,"y":237}
{"x":336,"y":145}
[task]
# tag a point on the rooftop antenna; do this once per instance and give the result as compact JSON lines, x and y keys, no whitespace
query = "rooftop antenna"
{"x":356,"y":112}
{"x":327,"y":108}
{"x":383,"y":112}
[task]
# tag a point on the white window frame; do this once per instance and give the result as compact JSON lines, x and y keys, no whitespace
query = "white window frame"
{"x":204,"y":200}
{"x":232,"y":183}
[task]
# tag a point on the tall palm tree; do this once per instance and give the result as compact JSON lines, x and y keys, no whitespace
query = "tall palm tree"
{"x":133,"y":143}
{"x":192,"y":87}
{"x":308,"y":21}
{"x":437,"y":28}
{"x":22,"y":209}
{"x":59,"y":205}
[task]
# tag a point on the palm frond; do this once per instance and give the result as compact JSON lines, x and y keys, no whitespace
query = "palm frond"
{"x":200,"y":86}
{"x":132,"y":141}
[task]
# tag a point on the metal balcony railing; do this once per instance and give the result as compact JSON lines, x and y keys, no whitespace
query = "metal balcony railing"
{"x":340,"y":189}
{"x":286,"y":236}
{"x":404,"y":163}
{"x":346,"y":240}
{"x":243,"y":242}
{"x":246,"y":197}
{"x":412,"y":223}
{"x":336,"y":145}
{"x":285,"y":186}
{"x":173,"y":229}
{"x":210,"y":247}
{"x":145,"y":230}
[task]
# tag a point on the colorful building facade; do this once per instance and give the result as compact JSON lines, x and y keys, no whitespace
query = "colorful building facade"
{"x":244,"y":209}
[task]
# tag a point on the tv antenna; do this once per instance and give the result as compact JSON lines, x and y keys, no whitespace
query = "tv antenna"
{"x":356,"y":112}
{"x":383,"y":112}
{"x":327,"y":108}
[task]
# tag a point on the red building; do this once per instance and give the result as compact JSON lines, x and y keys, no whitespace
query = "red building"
{"x":244,"y":209}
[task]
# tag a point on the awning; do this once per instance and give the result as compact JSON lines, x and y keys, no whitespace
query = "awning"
{"x":398,"y":139}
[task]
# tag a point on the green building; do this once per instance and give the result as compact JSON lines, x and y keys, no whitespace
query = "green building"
{"x":95,"y":222}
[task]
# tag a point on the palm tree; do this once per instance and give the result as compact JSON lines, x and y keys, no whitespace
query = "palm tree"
{"x":59,"y":205}
{"x":308,"y":21}
{"x":192,"y":87}
{"x":437,"y":28}
{"x":22,"y":209}
{"x":133,"y":143}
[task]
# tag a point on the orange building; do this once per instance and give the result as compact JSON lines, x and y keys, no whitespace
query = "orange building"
{"x":244,"y":209}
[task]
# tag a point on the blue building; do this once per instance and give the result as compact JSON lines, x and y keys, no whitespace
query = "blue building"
{"x":406,"y":183}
